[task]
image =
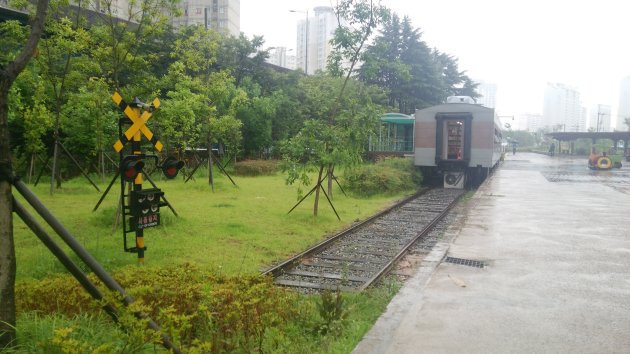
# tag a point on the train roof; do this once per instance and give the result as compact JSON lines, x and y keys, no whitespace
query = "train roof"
{"x":457,"y":107}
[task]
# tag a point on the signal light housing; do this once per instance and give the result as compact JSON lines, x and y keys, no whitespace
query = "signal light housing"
{"x":130,"y":167}
{"x":171,"y":167}
{"x":146,"y":201}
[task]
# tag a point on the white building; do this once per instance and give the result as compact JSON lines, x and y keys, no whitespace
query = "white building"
{"x":599,"y":118}
{"x":278,"y":56}
{"x":488,"y":94}
{"x":313,"y":39}
{"x":220,"y":15}
{"x":623,"y":110}
{"x":562,"y":109}
{"x":533,"y":122}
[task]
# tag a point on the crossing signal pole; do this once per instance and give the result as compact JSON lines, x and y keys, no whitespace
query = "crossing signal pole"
{"x":140,"y":208}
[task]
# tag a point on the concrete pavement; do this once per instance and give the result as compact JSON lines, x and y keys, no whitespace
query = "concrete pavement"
{"x":555,"y":242}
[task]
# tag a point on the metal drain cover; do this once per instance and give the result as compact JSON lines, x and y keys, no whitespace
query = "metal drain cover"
{"x":466,"y":262}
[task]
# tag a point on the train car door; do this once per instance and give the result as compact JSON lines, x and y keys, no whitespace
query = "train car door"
{"x":453,"y":138}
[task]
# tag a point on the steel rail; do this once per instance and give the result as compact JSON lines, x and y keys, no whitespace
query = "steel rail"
{"x":279,"y":268}
{"x":405,"y":249}
{"x":287,"y":266}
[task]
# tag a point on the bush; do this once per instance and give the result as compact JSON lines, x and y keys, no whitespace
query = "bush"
{"x":255,"y":167}
{"x":388,"y":176}
{"x":230,"y":314}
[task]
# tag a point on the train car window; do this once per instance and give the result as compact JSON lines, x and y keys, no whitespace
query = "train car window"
{"x":454,"y":139}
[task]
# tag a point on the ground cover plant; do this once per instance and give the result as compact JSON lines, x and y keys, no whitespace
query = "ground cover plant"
{"x":200,"y":278}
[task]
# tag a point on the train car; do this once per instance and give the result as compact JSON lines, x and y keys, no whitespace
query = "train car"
{"x":457,"y":143}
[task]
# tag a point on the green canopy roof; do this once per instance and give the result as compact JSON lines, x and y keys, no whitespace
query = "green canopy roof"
{"x":397,"y":118}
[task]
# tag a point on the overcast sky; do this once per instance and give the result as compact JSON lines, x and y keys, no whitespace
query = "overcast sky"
{"x":519,"y":45}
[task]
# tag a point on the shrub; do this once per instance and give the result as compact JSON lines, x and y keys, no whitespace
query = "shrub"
{"x":391,"y":175}
{"x":195,"y":308}
{"x":255,"y":167}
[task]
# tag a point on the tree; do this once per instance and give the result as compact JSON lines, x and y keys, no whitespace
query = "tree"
{"x":65,"y":42}
{"x":10,"y":68}
{"x":320,"y":146}
{"x":328,"y":137}
{"x":413,"y":75}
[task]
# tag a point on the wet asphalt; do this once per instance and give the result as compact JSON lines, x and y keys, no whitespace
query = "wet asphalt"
{"x":554,"y":238}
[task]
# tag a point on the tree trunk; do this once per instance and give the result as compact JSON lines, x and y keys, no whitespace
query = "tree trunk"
{"x":317,"y":188}
{"x":210,"y":176}
{"x":31,"y":168}
{"x":54,"y":166}
{"x":7,"y":266}
{"x":331,"y":176}
{"x":7,"y":250}
{"x":7,"y":247}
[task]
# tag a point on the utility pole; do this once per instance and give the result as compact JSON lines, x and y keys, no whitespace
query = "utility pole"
{"x":599,"y":114}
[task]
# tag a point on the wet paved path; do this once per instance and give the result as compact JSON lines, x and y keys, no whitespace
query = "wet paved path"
{"x":555,"y":238}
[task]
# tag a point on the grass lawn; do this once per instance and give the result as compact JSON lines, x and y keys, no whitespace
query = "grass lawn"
{"x":233,"y":231}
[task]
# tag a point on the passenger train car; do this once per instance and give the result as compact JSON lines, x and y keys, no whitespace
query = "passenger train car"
{"x":457,"y":143}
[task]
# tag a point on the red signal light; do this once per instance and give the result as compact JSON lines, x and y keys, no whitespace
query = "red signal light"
{"x":130,"y":169}
{"x":171,"y":167}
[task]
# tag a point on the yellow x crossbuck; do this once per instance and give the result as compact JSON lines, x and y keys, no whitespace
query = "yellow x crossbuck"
{"x":139,"y":123}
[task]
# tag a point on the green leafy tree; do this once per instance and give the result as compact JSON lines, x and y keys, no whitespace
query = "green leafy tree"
{"x":120,"y":48}
{"x":12,"y":61}
{"x":320,"y":146}
{"x":58,"y":52}
{"x":456,"y":82}
{"x":202,"y":104}
{"x":90,"y":121}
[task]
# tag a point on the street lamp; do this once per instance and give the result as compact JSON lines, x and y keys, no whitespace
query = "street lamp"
{"x":306,"y":41}
{"x":599,"y":114}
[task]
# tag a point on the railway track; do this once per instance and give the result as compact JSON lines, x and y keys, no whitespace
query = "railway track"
{"x":358,"y":257}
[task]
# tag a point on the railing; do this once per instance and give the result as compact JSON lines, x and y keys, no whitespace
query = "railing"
{"x":394,"y":146}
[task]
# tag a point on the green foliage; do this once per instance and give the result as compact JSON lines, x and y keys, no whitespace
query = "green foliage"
{"x":231,"y":313}
{"x":330,"y":137}
{"x":523,"y":137}
{"x":37,"y":120}
{"x":332,"y":311}
{"x":255,"y":167}
{"x":358,"y":21}
{"x":12,"y":37}
{"x":84,"y":333}
{"x":388,"y":176}
{"x":413,"y":75}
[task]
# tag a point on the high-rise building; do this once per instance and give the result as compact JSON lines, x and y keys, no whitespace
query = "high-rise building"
{"x":532,"y":121}
{"x":623,"y":110}
{"x":562,"y":109}
{"x":279,"y":57}
{"x":600,"y":118}
{"x":313,"y":39}
{"x":488,"y":94}
{"x":220,"y":15}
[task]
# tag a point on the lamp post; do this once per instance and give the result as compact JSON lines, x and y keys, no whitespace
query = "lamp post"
{"x":306,"y":40}
{"x":599,"y":114}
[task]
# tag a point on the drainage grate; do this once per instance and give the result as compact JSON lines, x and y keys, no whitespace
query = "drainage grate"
{"x":466,"y":262}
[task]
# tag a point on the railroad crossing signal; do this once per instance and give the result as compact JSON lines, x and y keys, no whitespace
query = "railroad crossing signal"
{"x":143,"y":205}
{"x":139,"y":122}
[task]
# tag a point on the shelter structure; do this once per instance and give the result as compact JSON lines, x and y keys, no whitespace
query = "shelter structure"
{"x":395,"y":135}
{"x":594,"y":136}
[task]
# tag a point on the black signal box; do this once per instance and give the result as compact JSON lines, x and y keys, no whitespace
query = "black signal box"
{"x":146,"y":201}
